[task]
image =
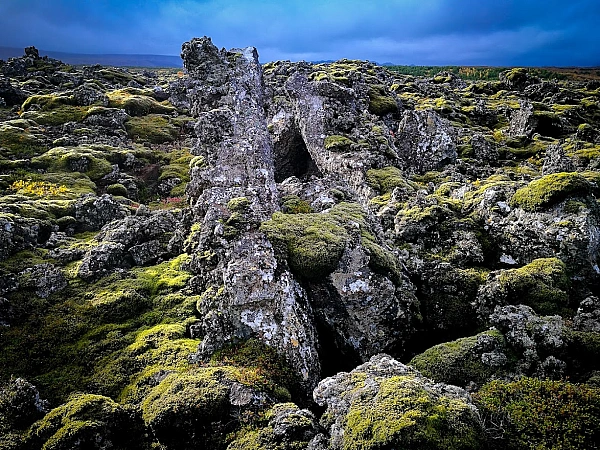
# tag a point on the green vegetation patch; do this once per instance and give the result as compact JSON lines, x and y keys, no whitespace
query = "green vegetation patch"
{"x":87,"y":160}
{"x":405,"y":415}
{"x":19,"y":143}
{"x":380,"y":102}
{"x":153,"y":128}
{"x":337,"y":143}
{"x":262,"y":367}
{"x":459,"y":362}
{"x":541,"y":414}
{"x":292,"y":204}
{"x":87,"y":421}
{"x":313,"y":243}
{"x":182,"y":409}
{"x":386,"y":179}
{"x":135,"y":103}
{"x":551,"y":189}
{"x":542,"y":284}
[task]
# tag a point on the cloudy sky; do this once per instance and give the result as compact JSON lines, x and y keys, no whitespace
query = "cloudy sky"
{"x":422,"y":32}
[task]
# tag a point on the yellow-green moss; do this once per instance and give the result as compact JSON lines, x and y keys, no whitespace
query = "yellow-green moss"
{"x":153,"y":128}
{"x":87,"y":160}
{"x":19,"y":143}
{"x":86,"y":421}
{"x":313,"y":242}
{"x":550,"y":189}
{"x":337,"y":143}
{"x":542,"y":284}
{"x":181,"y":410}
{"x":135,"y":103}
{"x":386,"y":179}
{"x":458,"y":362}
{"x":406,"y":415}
{"x":292,"y":204}
{"x":380,"y":102}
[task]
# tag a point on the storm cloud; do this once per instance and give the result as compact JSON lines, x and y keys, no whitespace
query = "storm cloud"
{"x":426,"y":32}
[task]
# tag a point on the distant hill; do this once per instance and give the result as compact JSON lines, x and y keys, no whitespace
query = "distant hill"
{"x":105,"y":60}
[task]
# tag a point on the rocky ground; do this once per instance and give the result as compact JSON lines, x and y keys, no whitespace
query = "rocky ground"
{"x":296,"y":256}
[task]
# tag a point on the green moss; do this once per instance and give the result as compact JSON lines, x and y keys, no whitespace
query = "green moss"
{"x":459,"y":362}
{"x":261,"y":367}
{"x":406,"y":415}
{"x":117,"y":189}
{"x":78,"y":338}
{"x":19,"y":143}
{"x":541,"y":414}
{"x":58,"y":115}
{"x":292,"y":204}
{"x":542,"y":284}
{"x":25,"y":259}
{"x":299,"y":430}
{"x":182,"y":409}
{"x":380,"y":103}
{"x":313,"y":242}
{"x":152,"y":128}
{"x":336,"y":143}
{"x":87,"y":421}
{"x":83,"y":159}
{"x":135,"y":104}
{"x":386,"y":179}
{"x":550,"y":189}
{"x":166,"y":276}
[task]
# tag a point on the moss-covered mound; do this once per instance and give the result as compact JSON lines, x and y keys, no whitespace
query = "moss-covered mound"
{"x":475,"y":359}
{"x":541,"y":414}
{"x":313,"y":243}
{"x":542,"y":284}
{"x":137,"y":102}
{"x":88,"y":422}
{"x":551,"y":189}
{"x":383,"y":404}
{"x":186,"y":409}
{"x":404,"y":413}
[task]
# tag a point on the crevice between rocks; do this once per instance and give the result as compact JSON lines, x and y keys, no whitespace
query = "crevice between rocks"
{"x":291,"y":156}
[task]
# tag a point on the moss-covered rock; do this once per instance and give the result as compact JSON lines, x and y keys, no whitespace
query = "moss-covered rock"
{"x":542,"y":284}
{"x":475,"y":359}
{"x":20,"y":405}
{"x":384,"y":405}
{"x":288,"y":428}
{"x":380,"y":102}
{"x":87,"y":160}
{"x":541,"y":414}
{"x":185,"y":409}
{"x":386,"y":179}
{"x":313,"y":243}
{"x":337,"y":143}
{"x":551,"y":189}
{"x":88,"y":421}
{"x":19,"y":143}
{"x":135,"y":103}
{"x":153,"y":128}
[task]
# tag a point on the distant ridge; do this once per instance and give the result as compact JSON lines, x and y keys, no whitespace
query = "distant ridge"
{"x":118,"y":60}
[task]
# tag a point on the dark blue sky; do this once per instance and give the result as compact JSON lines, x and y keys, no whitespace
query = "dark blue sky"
{"x":426,"y":32}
